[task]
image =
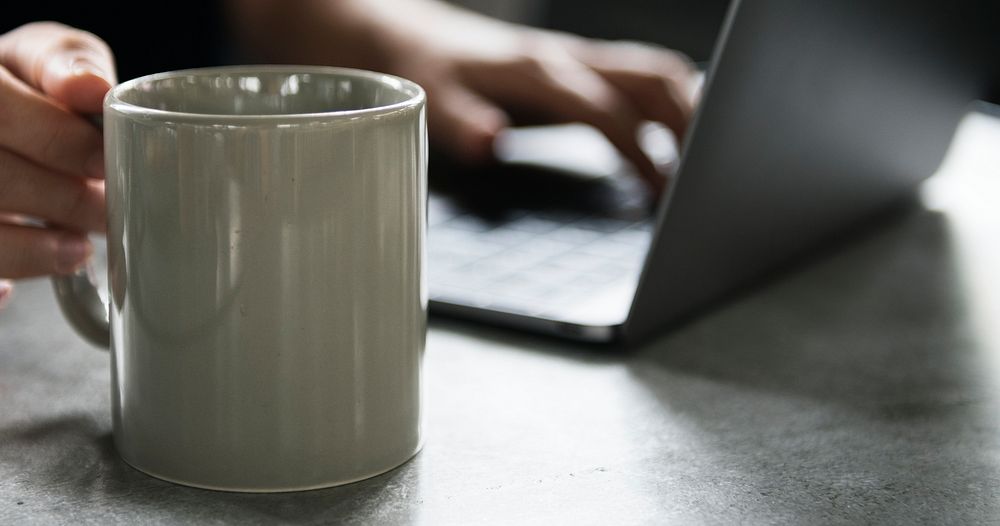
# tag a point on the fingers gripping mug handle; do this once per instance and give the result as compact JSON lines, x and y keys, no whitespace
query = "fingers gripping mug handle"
{"x":78,"y":298}
{"x":83,"y":306}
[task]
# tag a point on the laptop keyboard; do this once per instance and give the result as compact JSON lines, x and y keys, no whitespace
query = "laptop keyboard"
{"x":531,"y":263}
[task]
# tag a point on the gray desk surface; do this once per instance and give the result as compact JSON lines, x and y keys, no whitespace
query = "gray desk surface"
{"x":862,"y":388}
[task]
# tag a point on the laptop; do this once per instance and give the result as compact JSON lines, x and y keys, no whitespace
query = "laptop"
{"x":814,"y":117}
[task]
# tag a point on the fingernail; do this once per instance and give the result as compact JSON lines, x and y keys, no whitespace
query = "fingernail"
{"x":94,"y":167}
{"x":72,"y":253}
{"x":6,"y":288}
{"x":81,"y":67}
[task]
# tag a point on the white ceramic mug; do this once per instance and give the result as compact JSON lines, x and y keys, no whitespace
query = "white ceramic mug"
{"x":268,"y":310}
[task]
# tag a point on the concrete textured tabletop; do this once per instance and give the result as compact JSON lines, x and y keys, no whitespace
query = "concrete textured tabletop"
{"x":863,"y":387}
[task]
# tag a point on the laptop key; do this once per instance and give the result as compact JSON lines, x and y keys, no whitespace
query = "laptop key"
{"x":534,"y":225}
{"x":611,"y":248}
{"x":470,"y":223}
{"x":519,"y":260}
{"x":634,"y":237}
{"x":573,"y":234}
{"x":549,"y":247}
{"x":577,"y":261}
{"x":602,"y":224}
{"x":506,"y":236}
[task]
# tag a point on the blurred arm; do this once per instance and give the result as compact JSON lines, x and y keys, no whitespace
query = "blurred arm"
{"x":478,"y":71}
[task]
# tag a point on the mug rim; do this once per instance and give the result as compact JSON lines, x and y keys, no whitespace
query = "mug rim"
{"x":415,"y":94}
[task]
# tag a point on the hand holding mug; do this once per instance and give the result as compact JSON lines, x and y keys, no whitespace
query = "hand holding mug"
{"x":51,"y":160}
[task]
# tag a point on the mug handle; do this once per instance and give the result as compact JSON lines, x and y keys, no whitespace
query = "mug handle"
{"x":82,"y":305}
{"x":77,"y":294}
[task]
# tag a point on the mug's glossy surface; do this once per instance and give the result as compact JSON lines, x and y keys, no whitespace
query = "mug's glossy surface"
{"x":266,"y":240}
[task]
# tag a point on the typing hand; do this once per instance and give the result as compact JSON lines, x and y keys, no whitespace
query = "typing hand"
{"x":478,"y":71}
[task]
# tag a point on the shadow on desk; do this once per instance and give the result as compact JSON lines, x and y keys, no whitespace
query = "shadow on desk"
{"x":81,"y":464}
{"x":861,"y":379}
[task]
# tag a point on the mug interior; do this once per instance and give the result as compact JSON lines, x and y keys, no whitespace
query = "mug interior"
{"x":266,"y":91}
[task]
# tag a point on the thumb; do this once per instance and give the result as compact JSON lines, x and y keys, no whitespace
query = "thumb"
{"x":71,"y":66}
{"x":78,"y":83}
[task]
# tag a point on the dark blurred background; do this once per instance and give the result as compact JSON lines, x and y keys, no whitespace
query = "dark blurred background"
{"x":687,"y":25}
{"x":690,"y":26}
{"x":191,"y":33}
